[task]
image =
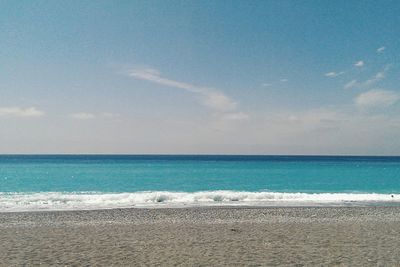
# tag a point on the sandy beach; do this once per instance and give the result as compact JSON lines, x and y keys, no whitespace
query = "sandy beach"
{"x":284,"y":236}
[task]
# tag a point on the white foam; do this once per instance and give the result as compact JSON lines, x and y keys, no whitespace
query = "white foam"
{"x":94,"y":200}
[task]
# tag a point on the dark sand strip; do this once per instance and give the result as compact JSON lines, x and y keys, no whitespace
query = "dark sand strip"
{"x":322,"y":236}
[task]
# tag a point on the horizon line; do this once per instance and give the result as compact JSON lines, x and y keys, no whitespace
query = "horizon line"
{"x":199,"y":154}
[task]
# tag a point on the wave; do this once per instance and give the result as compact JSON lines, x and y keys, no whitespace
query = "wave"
{"x":10,"y":202}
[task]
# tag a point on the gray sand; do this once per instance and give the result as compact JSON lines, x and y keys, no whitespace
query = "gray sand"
{"x":322,"y":236}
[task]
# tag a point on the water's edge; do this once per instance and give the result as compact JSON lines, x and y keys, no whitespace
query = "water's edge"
{"x":15,"y":202}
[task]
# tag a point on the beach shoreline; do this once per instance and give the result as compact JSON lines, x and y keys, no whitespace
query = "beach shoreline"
{"x":199,"y":236}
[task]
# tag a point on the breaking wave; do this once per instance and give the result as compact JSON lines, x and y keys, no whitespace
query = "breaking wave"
{"x":10,"y":202}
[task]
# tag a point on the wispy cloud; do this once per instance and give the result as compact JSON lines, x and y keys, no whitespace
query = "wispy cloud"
{"x":333,"y":74}
{"x":359,"y":64}
{"x":82,"y":116}
{"x":351,"y":84}
{"x":20,"y":112}
{"x":377,"y":77}
{"x":237,"y":116}
{"x":266,"y":84}
{"x":212,"y":98}
{"x":373,"y":80}
{"x":380,"y":49}
{"x":90,"y":116}
{"x":376,"y":98}
{"x":284,"y":80}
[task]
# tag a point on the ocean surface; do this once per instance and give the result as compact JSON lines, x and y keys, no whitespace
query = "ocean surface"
{"x":65,"y":182}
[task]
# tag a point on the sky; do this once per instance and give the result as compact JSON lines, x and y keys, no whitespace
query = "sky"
{"x":200,"y":77}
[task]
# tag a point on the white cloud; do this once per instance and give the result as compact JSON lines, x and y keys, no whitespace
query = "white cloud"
{"x":377,"y":77}
{"x":351,"y":84}
{"x":377,"y":98}
{"x":82,"y":116}
{"x":373,"y":80}
{"x":238,"y":116}
{"x":20,"y":112}
{"x":219,"y":101}
{"x":89,"y":116}
{"x":212,"y":98}
{"x":333,"y":74}
{"x":359,"y":64}
{"x":266,"y":84}
{"x":380,"y":49}
{"x":284,"y":80}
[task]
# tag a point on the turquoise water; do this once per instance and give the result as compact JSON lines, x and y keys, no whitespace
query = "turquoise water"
{"x":23,"y":177}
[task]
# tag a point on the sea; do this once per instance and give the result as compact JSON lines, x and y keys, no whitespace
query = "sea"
{"x":81,"y":182}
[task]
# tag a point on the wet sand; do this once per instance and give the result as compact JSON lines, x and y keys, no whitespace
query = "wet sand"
{"x":297,"y":236}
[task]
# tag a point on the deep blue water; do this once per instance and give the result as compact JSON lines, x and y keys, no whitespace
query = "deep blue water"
{"x":133,"y":173}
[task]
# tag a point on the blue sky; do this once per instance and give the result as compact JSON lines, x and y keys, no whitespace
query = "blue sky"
{"x":227,"y":77}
